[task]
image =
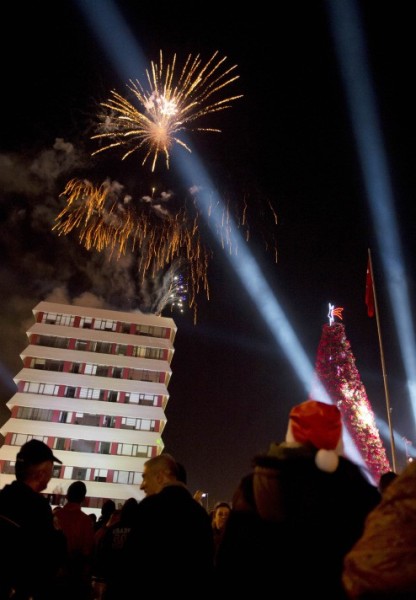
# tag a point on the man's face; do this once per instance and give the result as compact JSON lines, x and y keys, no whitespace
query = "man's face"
{"x":151,"y":481}
{"x":44,"y":475}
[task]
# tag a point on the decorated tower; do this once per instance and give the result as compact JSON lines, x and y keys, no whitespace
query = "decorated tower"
{"x":336,"y":370}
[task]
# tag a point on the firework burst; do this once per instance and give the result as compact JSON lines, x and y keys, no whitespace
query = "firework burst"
{"x":173,"y":101}
{"x":160,"y":237}
{"x":162,"y":232}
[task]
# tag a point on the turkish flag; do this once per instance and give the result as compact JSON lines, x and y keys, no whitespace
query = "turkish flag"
{"x":369,"y":291}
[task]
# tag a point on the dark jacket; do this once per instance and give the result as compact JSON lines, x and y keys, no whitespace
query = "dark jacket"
{"x":109,"y":551}
{"x":310,"y":520}
{"x":41,"y":546}
{"x":171,"y":541}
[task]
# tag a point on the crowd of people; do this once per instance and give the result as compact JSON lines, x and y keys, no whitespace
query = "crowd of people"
{"x":303,"y":522}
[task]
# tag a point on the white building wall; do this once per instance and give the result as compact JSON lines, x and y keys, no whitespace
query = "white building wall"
{"x":52,"y":431}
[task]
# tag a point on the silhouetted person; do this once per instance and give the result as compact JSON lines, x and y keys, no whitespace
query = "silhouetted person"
{"x":107,"y":509}
{"x":109,"y":559}
{"x":40,"y":551}
{"x":79,"y":532}
{"x":296,"y":515}
{"x":219,"y":518}
{"x":171,"y":540}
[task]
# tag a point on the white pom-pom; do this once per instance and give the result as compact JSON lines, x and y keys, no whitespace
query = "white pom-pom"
{"x":327,"y":460}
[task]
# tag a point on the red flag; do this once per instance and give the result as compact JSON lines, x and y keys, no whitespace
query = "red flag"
{"x":369,"y":291}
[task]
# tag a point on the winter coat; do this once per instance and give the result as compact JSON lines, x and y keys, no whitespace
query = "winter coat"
{"x":292,"y":524}
{"x":382,"y":563}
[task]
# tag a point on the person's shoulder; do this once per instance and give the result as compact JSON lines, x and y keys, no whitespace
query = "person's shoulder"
{"x":82,"y":518}
{"x":4,"y":492}
{"x":354,"y":477}
{"x":176,"y":491}
{"x":148,"y":504}
{"x":13,"y":487}
{"x":18,"y":491}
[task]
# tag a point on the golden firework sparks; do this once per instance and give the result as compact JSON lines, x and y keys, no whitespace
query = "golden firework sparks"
{"x":163,"y":234}
{"x":158,"y":239}
{"x":169,"y":106}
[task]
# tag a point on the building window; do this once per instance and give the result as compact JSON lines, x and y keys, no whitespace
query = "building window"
{"x":59,"y":444}
{"x":38,"y":363}
{"x":85,"y":322}
{"x":143,"y":451}
{"x":104,"y":447}
{"x":63,"y":416}
{"x":121,"y":477}
{"x":104,"y":347}
{"x":109,"y":421}
{"x":112,"y":396}
{"x":80,"y":345}
{"x":117,"y":372}
{"x":67,"y":320}
{"x":83,"y":446}
{"x":125,"y":449}
{"x":128,"y":423}
{"x":79,"y":473}
{"x":100,"y":474}
{"x":49,"y":318}
{"x":90,"y":393}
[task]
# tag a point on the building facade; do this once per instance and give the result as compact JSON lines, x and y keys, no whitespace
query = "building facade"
{"x":94,"y":387}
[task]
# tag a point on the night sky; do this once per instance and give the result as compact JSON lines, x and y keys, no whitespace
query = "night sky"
{"x":287,"y":143}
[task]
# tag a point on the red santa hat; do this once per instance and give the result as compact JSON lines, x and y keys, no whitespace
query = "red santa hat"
{"x":320,"y":425}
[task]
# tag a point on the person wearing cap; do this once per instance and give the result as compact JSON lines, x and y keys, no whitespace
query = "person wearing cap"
{"x":299,"y":511}
{"x":40,"y":552}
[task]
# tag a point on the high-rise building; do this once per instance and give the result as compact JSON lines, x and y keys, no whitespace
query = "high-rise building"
{"x":94,"y":387}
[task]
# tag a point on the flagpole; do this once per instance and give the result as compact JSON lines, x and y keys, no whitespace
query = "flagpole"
{"x":386,"y":390}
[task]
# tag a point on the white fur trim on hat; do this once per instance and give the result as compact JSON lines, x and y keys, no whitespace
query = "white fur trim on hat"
{"x":327,"y":460}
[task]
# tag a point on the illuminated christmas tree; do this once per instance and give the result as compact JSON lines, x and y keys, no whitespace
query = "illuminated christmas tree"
{"x":335,"y":368}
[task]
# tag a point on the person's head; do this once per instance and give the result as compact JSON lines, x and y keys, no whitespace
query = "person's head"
{"x":317,"y":424}
{"x":128,"y":510}
{"x":114,"y":517}
{"x":220,"y":515}
{"x":34,"y":464}
{"x":76,"y":492}
{"x":107,"y":509}
{"x":158,"y":472}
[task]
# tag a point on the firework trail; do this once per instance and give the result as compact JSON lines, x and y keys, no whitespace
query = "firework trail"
{"x":162,"y":232}
{"x":170,"y":105}
{"x":159,"y":233}
{"x":168,"y":288}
